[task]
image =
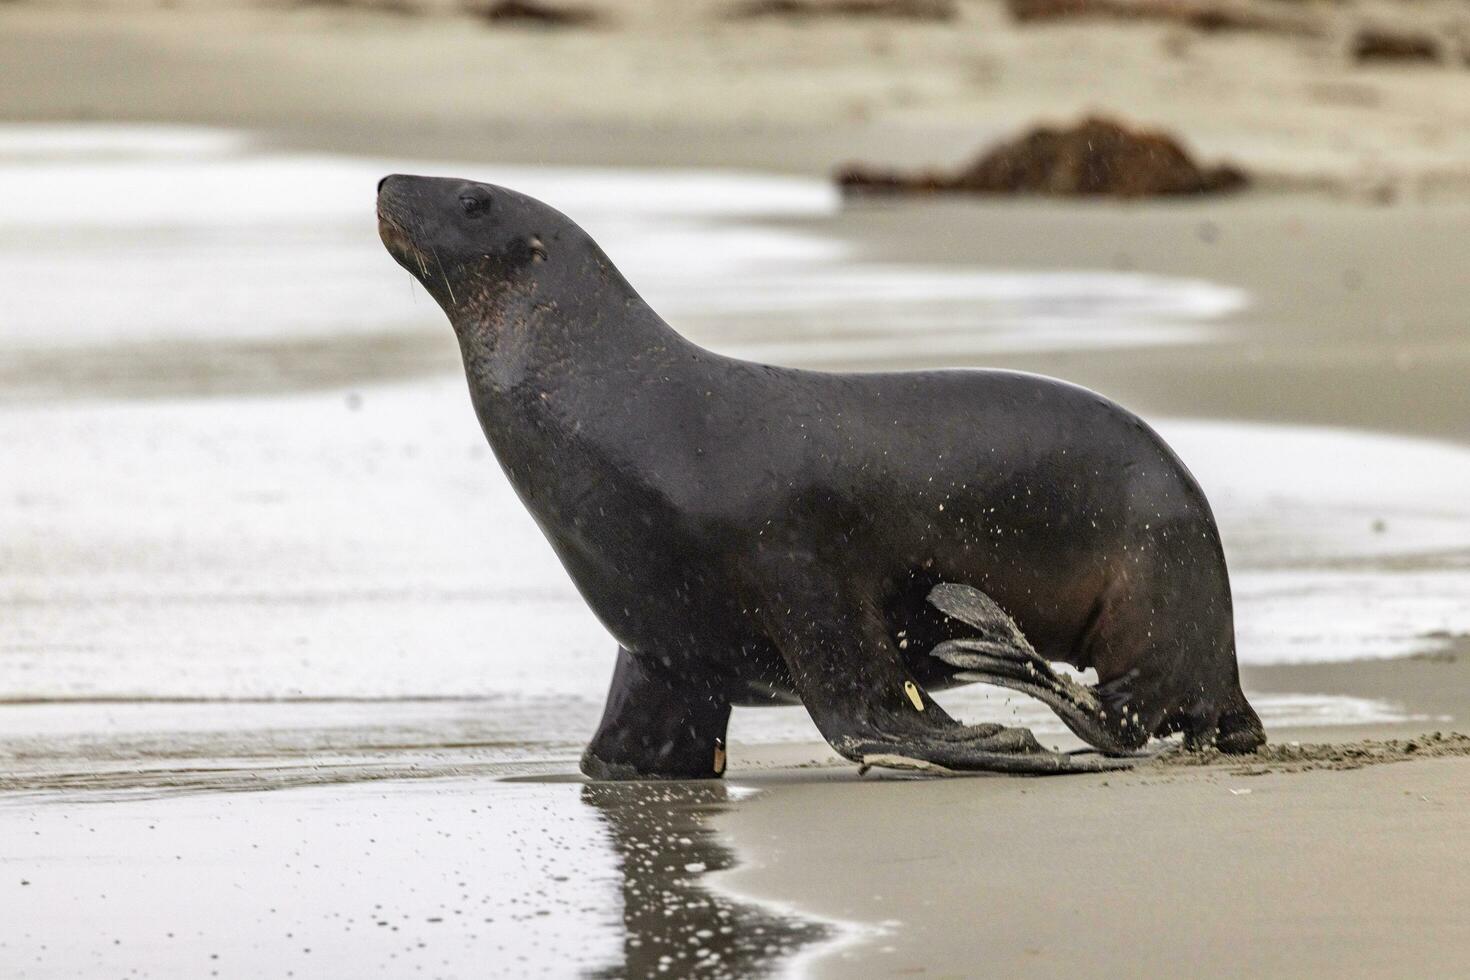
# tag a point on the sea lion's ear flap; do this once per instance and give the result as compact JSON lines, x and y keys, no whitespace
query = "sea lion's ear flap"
{"x":974,"y":608}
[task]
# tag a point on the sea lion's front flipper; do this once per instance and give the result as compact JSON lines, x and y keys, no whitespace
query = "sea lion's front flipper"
{"x":1001,"y":655}
{"x":953,"y":758}
{"x":659,"y":723}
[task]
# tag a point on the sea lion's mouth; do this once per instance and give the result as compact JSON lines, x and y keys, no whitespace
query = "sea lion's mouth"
{"x":399,"y":242}
{"x":391,"y":230}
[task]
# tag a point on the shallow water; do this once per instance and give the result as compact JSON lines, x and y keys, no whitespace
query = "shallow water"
{"x":203,"y":236}
{"x":463,"y":878}
{"x":252,"y":539}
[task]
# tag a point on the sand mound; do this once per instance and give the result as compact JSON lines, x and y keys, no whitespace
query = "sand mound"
{"x":1202,"y":15}
{"x":1382,"y":44}
{"x":939,"y":10}
{"x":1096,"y":157}
{"x":538,"y":14}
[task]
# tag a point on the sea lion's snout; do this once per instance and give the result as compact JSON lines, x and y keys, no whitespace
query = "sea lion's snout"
{"x":399,"y":200}
{"x":388,"y":186}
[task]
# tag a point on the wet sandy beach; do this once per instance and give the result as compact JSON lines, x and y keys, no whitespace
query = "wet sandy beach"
{"x":333,"y":662}
{"x":290,"y":685}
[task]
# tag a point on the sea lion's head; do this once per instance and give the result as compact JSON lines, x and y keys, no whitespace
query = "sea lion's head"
{"x":472,"y":244}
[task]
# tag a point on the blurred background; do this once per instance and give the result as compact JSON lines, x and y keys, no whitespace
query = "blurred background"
{"x":251,"y":536}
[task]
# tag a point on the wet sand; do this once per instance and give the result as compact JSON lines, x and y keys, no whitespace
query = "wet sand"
{"x":295,"y":746}
{"x":1355,"y":873}
{"x":1359,"y":299}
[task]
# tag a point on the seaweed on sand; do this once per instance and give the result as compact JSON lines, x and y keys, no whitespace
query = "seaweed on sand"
{"x":1096,"y":157}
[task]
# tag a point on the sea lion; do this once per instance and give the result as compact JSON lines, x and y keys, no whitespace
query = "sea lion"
{"x":758,"y":535}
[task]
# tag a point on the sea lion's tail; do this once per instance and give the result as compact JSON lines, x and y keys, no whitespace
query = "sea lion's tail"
{"x":1000,"y":654}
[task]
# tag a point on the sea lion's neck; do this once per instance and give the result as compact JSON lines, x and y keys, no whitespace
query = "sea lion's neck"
{"x":552,"y":371}
{"x":529,"y":338}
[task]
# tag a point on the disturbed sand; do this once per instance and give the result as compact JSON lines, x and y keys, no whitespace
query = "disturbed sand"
{"x":177,"y":801}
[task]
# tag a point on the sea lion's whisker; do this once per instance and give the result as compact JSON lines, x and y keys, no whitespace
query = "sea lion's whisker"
{"x":419,"y":252}
{"x":444,"y":274}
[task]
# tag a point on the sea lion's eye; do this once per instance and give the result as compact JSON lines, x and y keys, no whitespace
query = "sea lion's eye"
{"x":473,"y":205}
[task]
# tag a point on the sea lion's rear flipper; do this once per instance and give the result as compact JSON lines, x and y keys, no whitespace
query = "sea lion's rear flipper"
{"x":857,"y":686}
{"x":1002,"y":655}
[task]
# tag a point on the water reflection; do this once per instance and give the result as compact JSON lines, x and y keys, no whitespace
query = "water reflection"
{"x":673,"y":925}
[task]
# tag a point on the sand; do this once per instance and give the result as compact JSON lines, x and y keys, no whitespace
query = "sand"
{"x":676,"y":81}
{"x":1357,"y":873}
{"x":237,"y":741}
{"x":1372,"y":279}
